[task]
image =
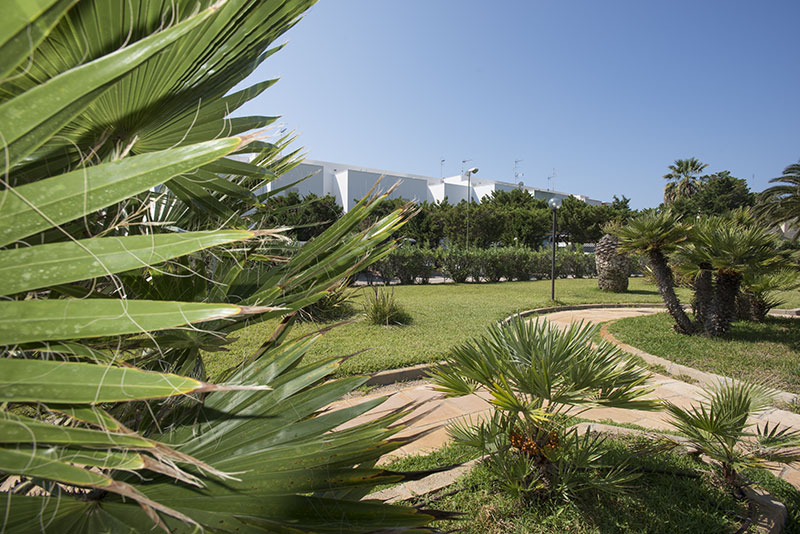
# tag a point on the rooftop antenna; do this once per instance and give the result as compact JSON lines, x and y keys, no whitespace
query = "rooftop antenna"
{"x":549,"y":180}
{"x":441,"y":168}
{"x":464,"y":165}
{"x":517,"y":174}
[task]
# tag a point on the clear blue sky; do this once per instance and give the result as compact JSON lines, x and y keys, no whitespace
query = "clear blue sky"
{"x":607,"y":93}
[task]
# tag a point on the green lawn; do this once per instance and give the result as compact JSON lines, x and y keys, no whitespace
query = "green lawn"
{"x":444,"y":315}
{"x":768,"y":353}
{"x":658,"y":503}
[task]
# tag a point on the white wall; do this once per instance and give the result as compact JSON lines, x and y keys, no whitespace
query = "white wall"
{"x":348,"y":184}
{"x":314,"y":181}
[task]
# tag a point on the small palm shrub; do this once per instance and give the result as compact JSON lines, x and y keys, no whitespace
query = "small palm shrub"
{"x":382,"y":309}
{"x":759,"y":293}
{"x":718,"y":427}
{"x":536,"y":374}
{"x":336,"y":304}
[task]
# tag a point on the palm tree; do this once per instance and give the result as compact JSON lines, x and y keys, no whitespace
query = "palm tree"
{"x":781,"y":203}
{"x":683,"y":175}
{"x":656,"y":235}
{"x":535,"y":374}
{"x":731,"y":249}
{"x":719,"y":427}
{"x":124,"y":223}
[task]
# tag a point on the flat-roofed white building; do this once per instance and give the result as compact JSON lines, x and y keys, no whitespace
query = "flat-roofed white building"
{"x":350,"y":183}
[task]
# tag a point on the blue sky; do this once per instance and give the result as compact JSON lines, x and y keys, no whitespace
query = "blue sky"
{"x":607,"y":93}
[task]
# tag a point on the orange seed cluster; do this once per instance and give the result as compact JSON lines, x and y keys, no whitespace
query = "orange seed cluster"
{"x":530,"y":446}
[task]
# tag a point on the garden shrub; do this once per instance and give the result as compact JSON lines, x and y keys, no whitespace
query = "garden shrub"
{"x":520,"y":263}
{"x":456,"y":263}
{"x":413,"y":264}
{"x":409,"y":263}
{"x":495,"y":263}
{"x":382,"y":309}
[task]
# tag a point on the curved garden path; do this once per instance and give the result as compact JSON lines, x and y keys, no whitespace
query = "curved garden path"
{"x":433,"y":411}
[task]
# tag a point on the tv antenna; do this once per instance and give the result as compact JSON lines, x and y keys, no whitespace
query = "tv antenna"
{"x":550,"y":180}
{"x":517,"y":174}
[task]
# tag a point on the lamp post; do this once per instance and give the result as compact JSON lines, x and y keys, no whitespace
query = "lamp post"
{"x":554,"y":204}
{"x":470,"y":172}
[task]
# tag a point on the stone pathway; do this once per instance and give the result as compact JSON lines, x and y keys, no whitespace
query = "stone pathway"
{"x":433,"y":412}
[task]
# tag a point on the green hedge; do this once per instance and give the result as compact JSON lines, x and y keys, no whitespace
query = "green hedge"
{"x":416,"y":265}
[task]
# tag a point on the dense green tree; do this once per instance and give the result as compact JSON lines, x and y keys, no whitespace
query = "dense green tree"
{"x":518,"y":198}
{"x":717,"y":194}
{"x":583,"y":222}
{"x":528,"y":227}
{"x":308,"y":217}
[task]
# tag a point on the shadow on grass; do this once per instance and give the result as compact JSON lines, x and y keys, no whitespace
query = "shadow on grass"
{"x":780,"y":330}
{"x":642,"y":292}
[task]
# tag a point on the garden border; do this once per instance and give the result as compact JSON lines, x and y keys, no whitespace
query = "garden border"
{"x":770,"y":518}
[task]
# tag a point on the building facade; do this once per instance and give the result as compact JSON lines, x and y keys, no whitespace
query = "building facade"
{"x":350,"y":183}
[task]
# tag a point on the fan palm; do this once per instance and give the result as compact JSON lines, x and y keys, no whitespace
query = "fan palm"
{"x":781,"y":203}
{"x":656,"y":235}
{"x":731,"y":250}
{"x":116,"y":141}
{"x":683,"y":175}
{"x":535,"y":375}
{"x":719,"y":427}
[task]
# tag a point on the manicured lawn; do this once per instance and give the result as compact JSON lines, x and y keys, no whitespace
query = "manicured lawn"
{"x":659,"y":503}
{"x":444,"y":315}
{"x":767,"y":353}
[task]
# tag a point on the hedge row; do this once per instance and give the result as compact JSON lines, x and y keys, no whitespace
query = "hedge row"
{"x":416,"y":265}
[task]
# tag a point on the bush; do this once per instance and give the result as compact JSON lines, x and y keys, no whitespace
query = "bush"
{"x":513,"y":263}
{"x":408,"y":263}
{"x":495,"y":263}
{"x":382,"y":309}
{"x":456,"y":263}
{"x":336,"y":304}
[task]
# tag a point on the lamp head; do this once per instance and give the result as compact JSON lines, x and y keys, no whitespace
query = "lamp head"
{"x":554,"y":203}
{"x":473,"y":170}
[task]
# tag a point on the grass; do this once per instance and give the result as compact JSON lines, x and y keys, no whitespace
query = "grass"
{"x":766,"y":352}
{"x":659,"y":503}
{"x":443,"y":315}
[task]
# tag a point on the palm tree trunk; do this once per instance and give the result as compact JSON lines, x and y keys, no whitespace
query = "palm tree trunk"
{"x":666,"y":286}
{"x":703,"y":295}
{"x":724,"y":304}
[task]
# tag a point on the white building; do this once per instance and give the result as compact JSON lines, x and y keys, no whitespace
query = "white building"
{"x":350,"y":183}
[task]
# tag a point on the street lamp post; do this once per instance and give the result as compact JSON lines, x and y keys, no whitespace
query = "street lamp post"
{"x":554,"y":204}
{"x":470,"y":172}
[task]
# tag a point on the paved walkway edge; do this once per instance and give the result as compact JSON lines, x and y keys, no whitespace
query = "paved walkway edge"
{"x":678,"y":370}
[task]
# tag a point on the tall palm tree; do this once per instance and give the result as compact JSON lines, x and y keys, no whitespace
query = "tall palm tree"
{"x":656,"y":235}
{"x":781,"y":203}
{"x":683,"y":175}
